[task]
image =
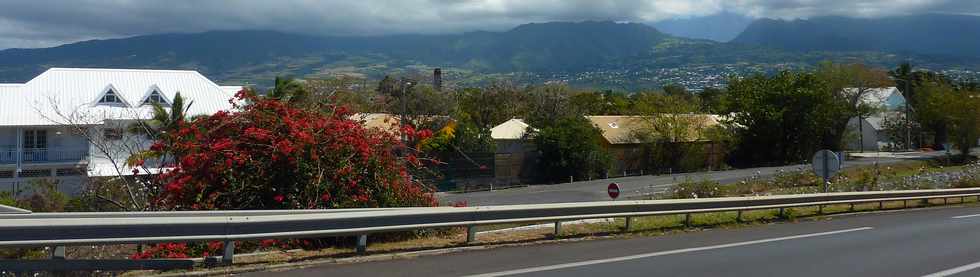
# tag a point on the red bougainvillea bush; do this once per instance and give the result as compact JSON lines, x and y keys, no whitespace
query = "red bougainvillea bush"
{"x":268,"y":155}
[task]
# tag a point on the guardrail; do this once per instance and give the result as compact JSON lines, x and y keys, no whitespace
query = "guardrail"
{"x":62,"y":229}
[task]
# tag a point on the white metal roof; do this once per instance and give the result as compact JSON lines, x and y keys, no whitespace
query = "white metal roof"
{"x":74,"y":92}
{"x":513,"y":129}
{"x":888,"y":98}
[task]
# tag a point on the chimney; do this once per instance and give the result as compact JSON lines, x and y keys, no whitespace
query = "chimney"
{"x":437,"y":79}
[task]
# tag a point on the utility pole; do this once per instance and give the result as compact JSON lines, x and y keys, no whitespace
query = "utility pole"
{"x":404,"y":88}
{"x":908,"y":114}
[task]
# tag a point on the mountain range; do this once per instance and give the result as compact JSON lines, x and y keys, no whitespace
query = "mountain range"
{"x":721,"y":27}
{"x":592,"y":53}
{"x":929,"y":34}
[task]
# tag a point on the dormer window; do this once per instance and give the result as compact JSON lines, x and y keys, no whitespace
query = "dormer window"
{"x":110,"y":97}
{"x":155,"y":98}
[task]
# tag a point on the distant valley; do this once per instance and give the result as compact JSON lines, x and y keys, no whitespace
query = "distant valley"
{"x":596,"y":54}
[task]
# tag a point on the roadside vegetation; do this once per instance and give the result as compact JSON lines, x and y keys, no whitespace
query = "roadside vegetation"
{"x":299,"y":146}
{"x":932,"y":174}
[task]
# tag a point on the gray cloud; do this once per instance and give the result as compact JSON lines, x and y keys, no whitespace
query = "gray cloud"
{"x":36,"y":23}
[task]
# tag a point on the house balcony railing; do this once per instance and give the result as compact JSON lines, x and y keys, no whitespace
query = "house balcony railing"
{"x":43,"y":155}
{"x":8,"y":156}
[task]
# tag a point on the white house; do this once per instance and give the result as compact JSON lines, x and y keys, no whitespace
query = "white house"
{"x":41,"y":121}
{"x":867,"y":133}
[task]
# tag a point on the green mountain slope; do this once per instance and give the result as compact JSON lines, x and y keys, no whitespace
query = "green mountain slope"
{"x":928,"y":34}
{"x":603,"y":54}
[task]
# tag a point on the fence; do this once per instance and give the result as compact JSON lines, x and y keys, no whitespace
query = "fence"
{"x":60,"y":229}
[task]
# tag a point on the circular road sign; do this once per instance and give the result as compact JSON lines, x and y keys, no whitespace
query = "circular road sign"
{"x":613,"y":190}
{"x":826,"y":164}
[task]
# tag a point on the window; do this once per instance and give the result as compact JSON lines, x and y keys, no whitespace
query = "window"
{"x":155,"y":98}
{"x":35,"y":139}
{"x":112,"y":134}
{"x":110,"y":97}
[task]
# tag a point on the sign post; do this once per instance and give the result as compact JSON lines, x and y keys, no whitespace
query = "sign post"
{"x":613,"y":190}
{"x":826,"y":164}
{"x":949,"y":152}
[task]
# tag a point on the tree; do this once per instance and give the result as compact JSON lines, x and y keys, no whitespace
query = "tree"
{"x":782,"y":118}
{"x":712,"y":100}
{"x":909,"y":82}
{"x":549,"y":103}
{"x":678,"y":91}
{"x":850,"y":84}
{"x":289,"y":90}
{"x":162,"y":123}
{"x":669,"y":124}
{"x":267,"y":154}
{"x":570,"y":147}
{"x":668,"y":118}
{"x":954,"y":107}
{"x":344,"y":91}
{"x":965,"y":121}
{"x":600,"y":103}
{"x":494,"y":104}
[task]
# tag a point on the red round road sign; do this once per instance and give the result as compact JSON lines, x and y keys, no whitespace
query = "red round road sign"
{"x":613,"y":190}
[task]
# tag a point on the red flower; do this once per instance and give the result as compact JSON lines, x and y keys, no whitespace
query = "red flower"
{"x":265,"y":144}
{"x":268,"y":243}
{"x":424,"y":134}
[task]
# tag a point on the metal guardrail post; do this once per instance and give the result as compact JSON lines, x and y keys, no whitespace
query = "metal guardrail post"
{"x":687,"y":220}
{"x":905,"y":204}
{"x":944,"y":201}
{"x":557,"y":228}
{"x":470,"y":234}
{"x":851,"y":208}
{"x":738,"y":217}
{"x":782,"y":212}
{"x":629,"y":223}
{"x":58,"y":253}
{"x":819,"y":209}
{"x":881,"y":205}
{"x":361,"y":244}
{"x":228,"y":257}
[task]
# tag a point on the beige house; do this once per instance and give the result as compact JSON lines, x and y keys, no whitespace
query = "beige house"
{"x":627,"y":138}
{"x":514,"y":157}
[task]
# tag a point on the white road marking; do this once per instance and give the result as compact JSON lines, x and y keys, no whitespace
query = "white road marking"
{"x":955,"y":270}
{"x":966,"y":216}
{"x":662,"y":253}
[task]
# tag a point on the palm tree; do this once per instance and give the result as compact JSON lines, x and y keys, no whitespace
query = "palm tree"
{"x":162,"y":122}
{"x":288,"y":90}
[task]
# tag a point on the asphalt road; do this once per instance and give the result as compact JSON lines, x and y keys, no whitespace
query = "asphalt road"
{"x":630,"y":187}
{"x":938,"y":241}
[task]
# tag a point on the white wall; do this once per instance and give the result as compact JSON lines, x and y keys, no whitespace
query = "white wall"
{"x":853,"y":138}
{"x":119,"y":150}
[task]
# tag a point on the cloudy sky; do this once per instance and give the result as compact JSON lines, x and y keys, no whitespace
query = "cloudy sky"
{"x":42,"y":23}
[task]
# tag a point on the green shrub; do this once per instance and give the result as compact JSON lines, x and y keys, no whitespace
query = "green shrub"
{"x":7,"y":199}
